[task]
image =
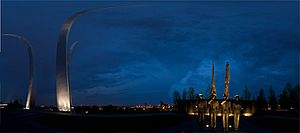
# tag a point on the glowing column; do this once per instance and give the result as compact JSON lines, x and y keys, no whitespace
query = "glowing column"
{"x":30,"y":101}
{"x":63,"y":58}
{"x":62,"y":63}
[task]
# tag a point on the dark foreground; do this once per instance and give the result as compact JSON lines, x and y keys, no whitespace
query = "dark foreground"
{"x":40,"y":121}
{"x":13,"y":120}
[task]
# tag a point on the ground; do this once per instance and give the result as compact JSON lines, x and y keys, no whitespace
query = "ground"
{"x":40,"y":121}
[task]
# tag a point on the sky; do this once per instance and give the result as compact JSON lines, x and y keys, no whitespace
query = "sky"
{"x":143,"y":52}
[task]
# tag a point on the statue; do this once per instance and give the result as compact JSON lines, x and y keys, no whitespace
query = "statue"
{"x":226,"y":109}
{"x":213,"y":110}
{"x":213,"y":103}
{"x":202,"y":107}
{"x":226,"y":105}
{"x":236,"y":112}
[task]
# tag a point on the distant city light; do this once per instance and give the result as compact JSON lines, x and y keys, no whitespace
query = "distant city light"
{"x":207,"y":125}
{"x":230,"y":126}
{"x":3,"y":105}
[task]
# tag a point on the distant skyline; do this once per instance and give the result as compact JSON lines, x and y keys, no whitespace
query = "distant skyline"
{"x":142,"y":54}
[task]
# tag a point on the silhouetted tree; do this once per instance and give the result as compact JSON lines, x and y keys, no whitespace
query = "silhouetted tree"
{"x":272,"y":98}
{"x":261,"y":100}
{"x":15,"y":104}
{"x":191,"y":93}
{"x":283,"y":99}
{"x":297,"y":88}
{"x":184,"y":94}
{"x":289,"y":97}
{"x":161,"y":102}
{"x":289,"y":89}
{"x":294,"y":97}
{"x":247,"y":94}
{"x":176,"y":97}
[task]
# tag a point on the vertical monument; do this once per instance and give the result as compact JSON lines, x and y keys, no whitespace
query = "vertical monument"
{"x":226,"y":104}
{"x":62,"y":63}
{"x":213,"y":103}
{"x":30,"y":101}
{"x":63,"y":96}
{"x":227,"y":78}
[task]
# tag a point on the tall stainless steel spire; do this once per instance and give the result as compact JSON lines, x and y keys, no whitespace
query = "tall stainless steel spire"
{"x":227,"y":78}
{"x":62,"y":63}
{"x":30,"y":101}
{"x":62,"y":60}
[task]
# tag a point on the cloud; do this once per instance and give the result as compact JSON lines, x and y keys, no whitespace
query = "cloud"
{"x":142,"y":54}
{"x":129,"y":80}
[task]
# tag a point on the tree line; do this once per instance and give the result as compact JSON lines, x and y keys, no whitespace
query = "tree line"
{"x":288,"y":99}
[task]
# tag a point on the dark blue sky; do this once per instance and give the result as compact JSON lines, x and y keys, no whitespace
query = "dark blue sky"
{"x":141,"y":54}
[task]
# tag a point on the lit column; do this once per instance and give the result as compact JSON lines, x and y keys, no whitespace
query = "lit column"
{"x":30,"y":101}
{"x":62,"y":60}
{"x":62,"y":63}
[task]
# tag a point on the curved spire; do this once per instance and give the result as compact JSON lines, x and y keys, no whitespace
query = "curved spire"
{"x":30,"y":101}
{"x":62,"y":60}
{"x":74,"y":44}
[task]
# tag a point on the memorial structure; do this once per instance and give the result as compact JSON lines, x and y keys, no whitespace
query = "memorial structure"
{"x":30,"y":100}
